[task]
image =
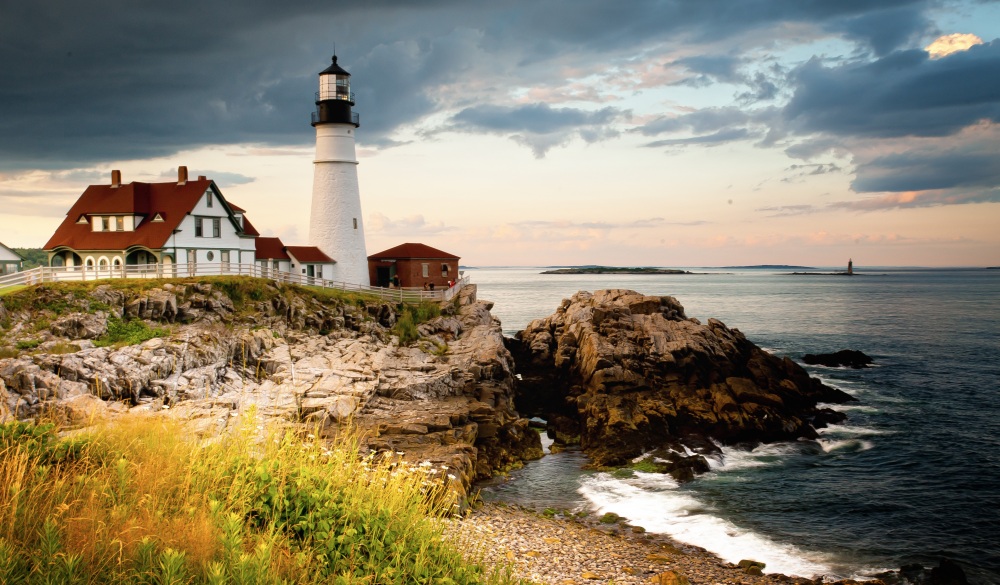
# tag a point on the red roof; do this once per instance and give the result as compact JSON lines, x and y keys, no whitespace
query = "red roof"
{"x":248,"y":228}
{"x":310,"y":254}
{"x":270,"y":249}
{"x":410,"y":250}
{"x":170,"y":200}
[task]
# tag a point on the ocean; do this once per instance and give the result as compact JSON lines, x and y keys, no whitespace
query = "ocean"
{"x":913,"y":474}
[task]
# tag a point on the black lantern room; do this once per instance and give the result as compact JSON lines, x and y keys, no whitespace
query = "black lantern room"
{"x":334,"y":98}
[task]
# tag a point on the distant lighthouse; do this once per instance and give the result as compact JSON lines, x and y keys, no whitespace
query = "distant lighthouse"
{"x":335,"y":224}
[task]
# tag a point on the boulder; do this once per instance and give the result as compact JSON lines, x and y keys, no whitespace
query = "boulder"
{"x":636,"y":374}
{"x":849,"y":358}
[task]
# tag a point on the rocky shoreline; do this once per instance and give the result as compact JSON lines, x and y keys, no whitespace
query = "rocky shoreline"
{"x":584,"y":549}
{"x":574,"y":550}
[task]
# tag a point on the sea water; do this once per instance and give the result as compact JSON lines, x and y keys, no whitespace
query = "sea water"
{"x":913,"y":475}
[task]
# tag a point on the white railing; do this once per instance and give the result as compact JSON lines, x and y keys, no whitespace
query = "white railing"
{"x":183,"y":270}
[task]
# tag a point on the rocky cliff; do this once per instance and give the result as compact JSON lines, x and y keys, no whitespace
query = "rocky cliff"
{"x":294,"y":355}
{"x":623,"y":374}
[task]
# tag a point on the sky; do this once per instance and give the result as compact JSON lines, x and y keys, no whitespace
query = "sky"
{"x":535,"y":132}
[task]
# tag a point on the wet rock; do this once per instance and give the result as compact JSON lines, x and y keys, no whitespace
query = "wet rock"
{"x":635,"y":374}
{"x":845,"y":358}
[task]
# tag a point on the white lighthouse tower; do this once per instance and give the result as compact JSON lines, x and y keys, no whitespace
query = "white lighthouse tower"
{"x":335,"y":226}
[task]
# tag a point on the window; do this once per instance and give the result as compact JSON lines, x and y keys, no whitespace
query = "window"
{"x":444,"y":270}
{"x":211,"y":255}
{"x":198,"y":233}
{"x":120,"y":224}
{"x":216,"y":227}
{"x":355,"y":223}
{"x":208,"y":198}
{"x":276,"y":265}
{"x":426,"y":267}
{"x":105,"y":224}
{"x":319,"y":271}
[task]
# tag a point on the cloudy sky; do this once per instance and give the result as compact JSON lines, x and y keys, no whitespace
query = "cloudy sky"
{"x":641,"y":132}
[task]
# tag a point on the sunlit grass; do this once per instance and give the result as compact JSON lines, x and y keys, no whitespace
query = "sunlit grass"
{"x":137,"y":501}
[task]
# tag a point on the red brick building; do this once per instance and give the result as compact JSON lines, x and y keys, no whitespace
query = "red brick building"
{"x":414,"y":265}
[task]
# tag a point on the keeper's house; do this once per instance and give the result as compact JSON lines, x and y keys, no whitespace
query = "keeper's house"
{"x":309,"y":261}
{"x":10,"y":261}
{"x":153,"y":223}
{"x":414,"y":265}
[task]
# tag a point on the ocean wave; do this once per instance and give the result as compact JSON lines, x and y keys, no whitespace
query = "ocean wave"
{"x":733,"y":458}
{"x":853,"y":445}
{"x":852,"y":430}
{"x":659,"y":507}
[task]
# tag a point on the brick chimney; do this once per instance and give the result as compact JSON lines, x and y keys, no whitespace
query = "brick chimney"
{"x":182,"y":175}
{"x":202,"y":178}
{"x":116,"y":179}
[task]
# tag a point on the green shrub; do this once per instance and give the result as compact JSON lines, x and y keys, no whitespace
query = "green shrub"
{"x":28,"y":344}
{"x":121,"y":332}
{"x":406,"y":329}
{"x":412,"y":315}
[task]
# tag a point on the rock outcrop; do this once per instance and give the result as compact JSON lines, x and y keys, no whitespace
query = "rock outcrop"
{"x":849,"y":358}
{"x":625,"y":373}
{"x":295,"y":358}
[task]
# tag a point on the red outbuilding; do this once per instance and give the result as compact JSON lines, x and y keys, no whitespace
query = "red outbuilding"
{"x":413,"y":266}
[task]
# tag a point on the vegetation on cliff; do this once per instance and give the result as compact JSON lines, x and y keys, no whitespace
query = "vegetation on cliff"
{"x":136,"y":502}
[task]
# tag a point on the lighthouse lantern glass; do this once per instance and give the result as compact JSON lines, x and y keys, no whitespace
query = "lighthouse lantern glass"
{"x":335,"y":87}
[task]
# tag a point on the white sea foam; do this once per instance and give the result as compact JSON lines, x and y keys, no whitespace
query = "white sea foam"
{"x":732,"y":458}
{"x":845,"y":445}
{"x":653,"y":502}
{"x":851,"y":430}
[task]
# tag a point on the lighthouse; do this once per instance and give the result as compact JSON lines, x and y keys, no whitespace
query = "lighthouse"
{"x":335,"y":224}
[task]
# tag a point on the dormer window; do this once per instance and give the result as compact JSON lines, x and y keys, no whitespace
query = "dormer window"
{"x":157,"y":218}
{"x":119,"y":223}
{"x":105,"y":224}
{"x":83,"y":219}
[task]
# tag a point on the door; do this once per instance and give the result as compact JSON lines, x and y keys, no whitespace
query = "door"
{"x":382,"y":276}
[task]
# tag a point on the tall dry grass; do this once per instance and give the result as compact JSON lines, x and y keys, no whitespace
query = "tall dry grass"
{"x":137,"y":501}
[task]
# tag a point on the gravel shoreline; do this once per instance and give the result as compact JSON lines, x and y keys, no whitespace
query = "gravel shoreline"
{"x":569,"y":551}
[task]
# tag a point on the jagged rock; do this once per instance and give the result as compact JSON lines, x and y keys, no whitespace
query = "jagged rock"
{"x":636,"y":375}
{"x":156,"y":305}
{"x":293,"y":359}
{"x":850,"y":358}
{"x":80,"y":326}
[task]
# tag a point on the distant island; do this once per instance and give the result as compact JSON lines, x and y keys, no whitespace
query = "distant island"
{"x":615,"y":270}
{"x":769,"y":267}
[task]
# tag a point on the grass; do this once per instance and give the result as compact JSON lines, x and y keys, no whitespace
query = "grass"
{"x":410,"y":316}
{"x":133,"y":332}
{"x":12,"y":289}
{"x":138,"y":502}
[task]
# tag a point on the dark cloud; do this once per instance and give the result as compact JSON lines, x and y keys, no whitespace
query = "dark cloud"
{"x":886,"y":28}
{"x":96,"y":81}
{"x":714,"y":139}
{"x":969,"y":166}
{"x":902,"y":94}
{"x":700,"y":121}
{"x":921,"y":199}
{"x":539,"y":126}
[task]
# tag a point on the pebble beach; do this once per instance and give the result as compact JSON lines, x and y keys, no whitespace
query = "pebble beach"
{"x":574,"y":551}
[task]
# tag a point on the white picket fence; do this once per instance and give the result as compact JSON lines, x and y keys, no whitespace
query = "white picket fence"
{"x":82,"y":273}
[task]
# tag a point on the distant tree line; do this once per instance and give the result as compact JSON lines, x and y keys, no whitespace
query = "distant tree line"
{"x":33,"y":257}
